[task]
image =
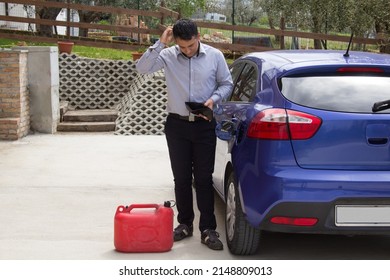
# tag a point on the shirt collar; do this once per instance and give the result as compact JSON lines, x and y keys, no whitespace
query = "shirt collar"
{"x":200,"y":50}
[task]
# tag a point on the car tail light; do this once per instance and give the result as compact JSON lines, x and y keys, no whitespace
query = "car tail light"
{"x":280,"y":124}
{"x":280,"y":220}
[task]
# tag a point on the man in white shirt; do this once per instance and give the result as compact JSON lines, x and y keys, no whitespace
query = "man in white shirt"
{"x":194,"y":72}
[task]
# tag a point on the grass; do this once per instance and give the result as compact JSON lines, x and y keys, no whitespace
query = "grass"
{"x":102,"y":53}
{"x":91,"y":52}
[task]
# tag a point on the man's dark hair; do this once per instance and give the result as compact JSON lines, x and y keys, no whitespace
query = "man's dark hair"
{"x":185,"y":29}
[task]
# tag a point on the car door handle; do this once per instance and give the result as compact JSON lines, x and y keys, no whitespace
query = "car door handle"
{"x":377,"y":134}
{"x":378,"y":141}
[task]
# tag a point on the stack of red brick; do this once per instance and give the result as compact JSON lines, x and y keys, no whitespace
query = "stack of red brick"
{"x":14,"y":95}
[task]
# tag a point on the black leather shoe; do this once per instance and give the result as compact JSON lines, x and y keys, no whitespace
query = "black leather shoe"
{"x":182,"y":231}
{"x":210,"y":238}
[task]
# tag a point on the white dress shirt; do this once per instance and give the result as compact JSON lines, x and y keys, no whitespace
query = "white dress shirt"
{"x":203,"y":76}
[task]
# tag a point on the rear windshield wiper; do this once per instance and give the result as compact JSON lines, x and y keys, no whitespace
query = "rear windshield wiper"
{"x":380,"y":106}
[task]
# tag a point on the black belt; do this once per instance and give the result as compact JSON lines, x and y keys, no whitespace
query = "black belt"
{"x":190,"y":118}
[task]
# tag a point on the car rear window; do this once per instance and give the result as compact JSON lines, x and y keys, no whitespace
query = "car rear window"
{"x":355,"y":94}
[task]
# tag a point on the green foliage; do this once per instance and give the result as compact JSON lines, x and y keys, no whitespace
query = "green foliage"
{"x":100,"y":53}
{"x":186,"y":8}
{"x":104,"y":22}
{"x":263,"y":21}
{"x":359,"y":16}
{"x":7,"y":43}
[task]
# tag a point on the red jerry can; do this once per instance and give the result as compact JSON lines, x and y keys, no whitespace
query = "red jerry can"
{"x":144,"y":228}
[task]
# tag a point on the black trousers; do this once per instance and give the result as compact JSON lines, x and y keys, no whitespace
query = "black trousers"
{"x":191,"y":148}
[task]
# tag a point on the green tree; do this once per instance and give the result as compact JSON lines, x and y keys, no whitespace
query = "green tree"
{"x":93,"y":16}
{"x":186,"y":8}
{"x":245,"y":12}
{"x":320,"y":16}
{"x":47,"y":13}
{"x":281,"y":11}
{"x":379,"y":12}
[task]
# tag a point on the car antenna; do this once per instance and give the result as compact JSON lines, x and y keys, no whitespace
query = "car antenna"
{"x":349,"y":45}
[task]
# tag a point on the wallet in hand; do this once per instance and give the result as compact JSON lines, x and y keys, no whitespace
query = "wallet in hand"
{"x":197,"y":108}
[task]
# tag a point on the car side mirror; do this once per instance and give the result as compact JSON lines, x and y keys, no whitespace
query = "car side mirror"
{"x":225,"y":130}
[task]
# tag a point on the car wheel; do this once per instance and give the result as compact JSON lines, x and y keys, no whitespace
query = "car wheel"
{"x":241,"y":237}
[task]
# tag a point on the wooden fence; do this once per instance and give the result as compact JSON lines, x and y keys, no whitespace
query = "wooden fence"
{"x":162,"y":15}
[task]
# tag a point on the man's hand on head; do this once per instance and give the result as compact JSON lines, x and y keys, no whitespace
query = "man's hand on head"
{"x":167,"y":36}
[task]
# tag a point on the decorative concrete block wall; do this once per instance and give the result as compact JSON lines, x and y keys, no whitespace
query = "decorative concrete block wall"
{"x":88,"y":83}
{"x":143,"y":110}
{"x":14,"y":95}
{"x":115,"y":84}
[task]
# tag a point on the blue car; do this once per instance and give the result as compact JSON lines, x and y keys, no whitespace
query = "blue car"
{"x":304,"y":145}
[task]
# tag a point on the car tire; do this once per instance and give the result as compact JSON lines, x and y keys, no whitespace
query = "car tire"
{"x":242,"y":238}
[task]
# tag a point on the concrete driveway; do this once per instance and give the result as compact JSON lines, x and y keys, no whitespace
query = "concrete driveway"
{"x":59,"y":194}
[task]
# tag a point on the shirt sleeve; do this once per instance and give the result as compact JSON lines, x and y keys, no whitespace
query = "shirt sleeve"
{"x":151,"y":61}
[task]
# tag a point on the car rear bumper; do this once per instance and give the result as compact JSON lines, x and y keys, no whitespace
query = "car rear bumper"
{"x":328,"y":221}
{"x":296,"y":191}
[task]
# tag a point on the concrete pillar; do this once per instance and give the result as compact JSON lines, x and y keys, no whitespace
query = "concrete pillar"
{"x":43,"y":76}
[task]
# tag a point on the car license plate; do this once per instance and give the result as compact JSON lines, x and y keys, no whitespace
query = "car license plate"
{"x":362,"y":215}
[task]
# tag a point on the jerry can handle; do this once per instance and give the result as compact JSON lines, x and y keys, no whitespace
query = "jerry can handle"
{"x":127,"y":209}
{"x":136,"y":206}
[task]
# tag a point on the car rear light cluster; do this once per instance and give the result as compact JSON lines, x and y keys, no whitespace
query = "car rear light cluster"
{"x":281,"y":124}
{"x":291,"y":221}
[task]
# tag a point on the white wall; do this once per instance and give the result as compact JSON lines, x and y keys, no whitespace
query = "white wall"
{"x":17,"y":10}
{"x":74,"y":17}
{"x":215,"y":17}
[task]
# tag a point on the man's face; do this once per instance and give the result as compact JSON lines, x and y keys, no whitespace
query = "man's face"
{"x":189,"y":47}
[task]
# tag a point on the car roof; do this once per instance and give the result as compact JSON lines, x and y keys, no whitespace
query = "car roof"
{"x":284,"y":60}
